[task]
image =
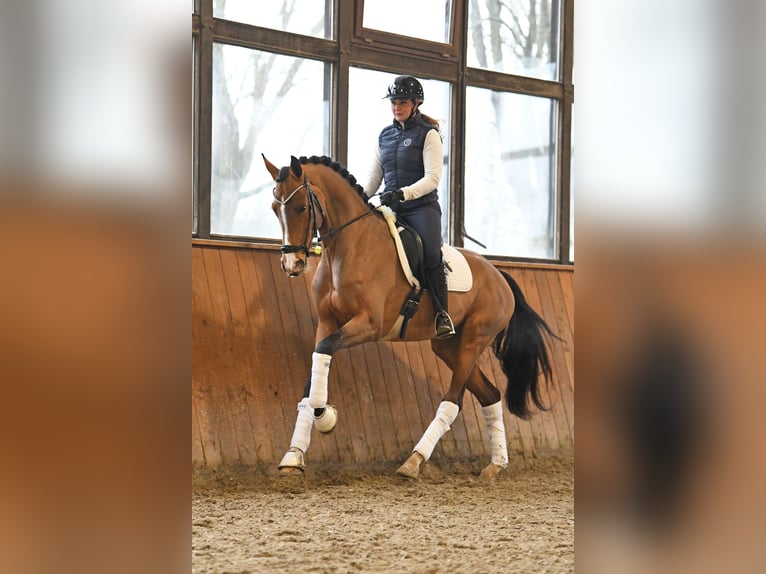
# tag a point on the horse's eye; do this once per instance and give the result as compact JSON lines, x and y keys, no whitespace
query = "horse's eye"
{"x":301,"y":209}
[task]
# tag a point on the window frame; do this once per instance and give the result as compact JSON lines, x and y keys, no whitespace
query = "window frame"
{"x":357,"y":46}
{"x":388,"y":40}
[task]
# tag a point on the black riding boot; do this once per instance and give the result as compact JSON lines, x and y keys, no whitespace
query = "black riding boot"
{"x":437,"y":284}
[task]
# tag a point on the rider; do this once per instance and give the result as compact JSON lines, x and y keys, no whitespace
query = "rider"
{"x":409,"y":160}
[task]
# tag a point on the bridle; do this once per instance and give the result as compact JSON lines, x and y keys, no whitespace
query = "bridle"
{"x":312,"y":229}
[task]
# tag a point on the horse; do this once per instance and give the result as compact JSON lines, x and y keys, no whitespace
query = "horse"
{"x":358,"y":301}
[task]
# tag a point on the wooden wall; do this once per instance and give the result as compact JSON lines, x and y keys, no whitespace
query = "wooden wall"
{"x":252,"y":338}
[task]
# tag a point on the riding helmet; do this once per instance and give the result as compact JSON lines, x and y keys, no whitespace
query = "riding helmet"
{"x":405,"y":87}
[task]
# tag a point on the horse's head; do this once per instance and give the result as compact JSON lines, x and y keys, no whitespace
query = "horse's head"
{"x":294,"y":207}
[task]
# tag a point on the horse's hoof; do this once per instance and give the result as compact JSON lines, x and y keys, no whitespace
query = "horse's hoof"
{"x":292,"y":463}
{"x":325,"y":423}
{"x":490,"y":472}
{"x":411,"y":468}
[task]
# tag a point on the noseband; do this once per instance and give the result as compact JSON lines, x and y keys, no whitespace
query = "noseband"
{"x":312,"y":229}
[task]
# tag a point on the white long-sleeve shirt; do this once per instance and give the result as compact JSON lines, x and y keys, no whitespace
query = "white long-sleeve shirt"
{"x":433,"y":158}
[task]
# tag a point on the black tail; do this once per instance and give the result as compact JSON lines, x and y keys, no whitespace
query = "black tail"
{"x":523,"y":354}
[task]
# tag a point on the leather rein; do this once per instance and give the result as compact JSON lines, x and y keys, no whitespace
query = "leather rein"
{"x":312,"y":229}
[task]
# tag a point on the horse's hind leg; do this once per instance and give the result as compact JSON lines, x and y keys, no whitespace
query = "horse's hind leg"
{"x":461,"y":358}
{"x":445,"y":416}
{"x":492,"y":410}
{"x":489,"y":398}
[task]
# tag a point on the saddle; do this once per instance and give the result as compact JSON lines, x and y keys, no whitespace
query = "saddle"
{"x":413,"y":251}
{"x":409,"y":247}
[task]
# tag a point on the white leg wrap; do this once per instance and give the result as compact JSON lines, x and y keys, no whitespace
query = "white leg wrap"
{"x":445,"y":416}
{"x":320,"y":369}
{"x":302,"y":433}
{"x":493,"y":415}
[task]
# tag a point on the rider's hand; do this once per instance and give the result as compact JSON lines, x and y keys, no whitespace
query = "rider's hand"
{"x":390,"y":197}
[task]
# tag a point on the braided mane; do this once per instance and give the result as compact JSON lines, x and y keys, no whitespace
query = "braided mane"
{"x":334,"y":165}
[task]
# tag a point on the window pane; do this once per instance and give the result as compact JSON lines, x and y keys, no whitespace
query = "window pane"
{"x":262,"y":103}
{"x":307,"y":17}
{"x":424,"y":19}
{"x":515,"y":37}
{"x":572,"y":193}
{"x":509,"y":179}
{"x":369,"y":113}
{"x":194,"y":135}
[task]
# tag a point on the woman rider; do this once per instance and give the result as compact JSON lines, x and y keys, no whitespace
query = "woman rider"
{"x":409,"y":160}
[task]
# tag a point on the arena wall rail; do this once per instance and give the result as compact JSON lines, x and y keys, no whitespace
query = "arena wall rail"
{"x":252,"y":338}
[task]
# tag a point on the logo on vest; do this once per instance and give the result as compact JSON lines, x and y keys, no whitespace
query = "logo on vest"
{"x":407,"y":142}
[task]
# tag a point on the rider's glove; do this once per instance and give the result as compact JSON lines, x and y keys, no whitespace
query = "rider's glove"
{"x":390,"y":197}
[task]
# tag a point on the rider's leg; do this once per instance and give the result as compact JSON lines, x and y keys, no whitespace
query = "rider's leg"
{"x":437,"y":284}
{"x":426,"y":220}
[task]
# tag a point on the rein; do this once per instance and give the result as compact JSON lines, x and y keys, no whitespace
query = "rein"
{"x":335,"y":230}
{"x":312,"y":230}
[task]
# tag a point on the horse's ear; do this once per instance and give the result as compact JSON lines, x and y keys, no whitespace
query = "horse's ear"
{"x":273,"y":170}
{"x":295,"y":165}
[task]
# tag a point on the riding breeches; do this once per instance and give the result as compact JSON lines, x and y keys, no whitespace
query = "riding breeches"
{"x":427,"y":221}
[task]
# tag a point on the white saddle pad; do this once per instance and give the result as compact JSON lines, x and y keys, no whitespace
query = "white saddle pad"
{"x":459,"y":276}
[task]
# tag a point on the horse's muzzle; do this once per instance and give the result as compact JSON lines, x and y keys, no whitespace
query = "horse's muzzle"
{"x":292,"y":265}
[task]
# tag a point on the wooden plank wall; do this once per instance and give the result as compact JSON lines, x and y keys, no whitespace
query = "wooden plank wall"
{"x":252,"y":338}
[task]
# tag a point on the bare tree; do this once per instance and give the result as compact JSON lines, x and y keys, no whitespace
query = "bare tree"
{"x":523,"y":25}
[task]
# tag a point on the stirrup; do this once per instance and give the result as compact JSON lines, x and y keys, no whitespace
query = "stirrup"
{"x":444,"y":326}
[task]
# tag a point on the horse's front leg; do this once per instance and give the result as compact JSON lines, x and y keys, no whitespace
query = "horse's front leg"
{"x":313,"y":409}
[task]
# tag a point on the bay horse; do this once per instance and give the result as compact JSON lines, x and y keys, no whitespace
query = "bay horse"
{"x":358,"y":290}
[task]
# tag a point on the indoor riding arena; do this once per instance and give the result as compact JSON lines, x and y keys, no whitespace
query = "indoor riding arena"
{"x":253,"y":336}
{"x":290,"y":79}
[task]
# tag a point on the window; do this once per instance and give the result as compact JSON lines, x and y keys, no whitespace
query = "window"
{"x":307,"y":17}
{"x":424,"y":19}
{"x":515,"y":37}
{"x":262,"y":103}
{"x":308,"y":77}
{"x":572,"y":199}
{"x":509,"y":181}
{"x":369,"y":113}
{"x":195,"y":167}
